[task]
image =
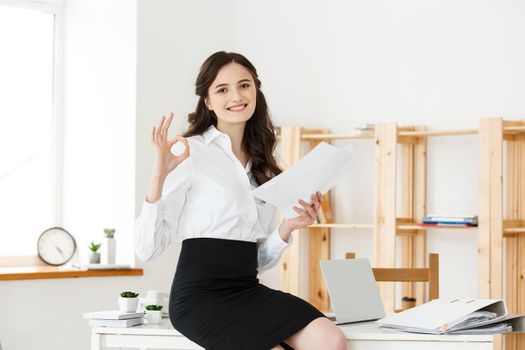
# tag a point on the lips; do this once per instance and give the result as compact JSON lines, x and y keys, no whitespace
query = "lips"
{"x":237,"y":108}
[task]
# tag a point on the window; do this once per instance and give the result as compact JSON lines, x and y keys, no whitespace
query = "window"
{"x":29,"y":162}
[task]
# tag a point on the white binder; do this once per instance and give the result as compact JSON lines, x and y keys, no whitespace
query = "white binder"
{"x":456,"y":316}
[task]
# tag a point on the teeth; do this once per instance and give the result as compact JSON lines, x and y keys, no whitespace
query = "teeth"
{"x":237,"y":108}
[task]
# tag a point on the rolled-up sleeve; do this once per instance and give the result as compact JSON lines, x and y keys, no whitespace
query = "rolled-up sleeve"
{"x":159,"y":223}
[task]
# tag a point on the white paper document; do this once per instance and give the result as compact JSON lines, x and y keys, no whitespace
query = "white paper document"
{"x":319,"y":170}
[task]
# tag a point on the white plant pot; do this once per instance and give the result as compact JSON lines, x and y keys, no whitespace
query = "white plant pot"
{"x":153,"y":316}
{"x":128,"y":304}
{"x":111,"y":250}
{"x":94,"y":258}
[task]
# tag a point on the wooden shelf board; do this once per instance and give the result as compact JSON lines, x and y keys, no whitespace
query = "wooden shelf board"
{"x":336,"y":136}
{"x":425,"y":133}
{"x":514,"y":230}
{"x":514,"y":128}
{"x":342,"y":225}
{"x":439,"y":132}
{"x":46,"y":272}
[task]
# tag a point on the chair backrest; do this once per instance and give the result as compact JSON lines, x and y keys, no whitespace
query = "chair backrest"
{"x":428,"y":274}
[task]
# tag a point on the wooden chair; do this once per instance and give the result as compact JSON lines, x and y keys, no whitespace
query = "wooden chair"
{"x":429,"y":274}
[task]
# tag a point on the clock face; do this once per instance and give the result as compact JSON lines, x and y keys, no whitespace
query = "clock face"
{"x":56,"y":246}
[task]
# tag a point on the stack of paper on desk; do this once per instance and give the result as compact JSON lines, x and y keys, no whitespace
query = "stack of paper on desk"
{"x":458,"y":316}
{"x":319,"y":170}
{"x":103,"y":266}
{"x":114,"y":318}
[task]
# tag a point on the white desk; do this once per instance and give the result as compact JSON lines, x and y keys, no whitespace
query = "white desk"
{"x":362,"y":336}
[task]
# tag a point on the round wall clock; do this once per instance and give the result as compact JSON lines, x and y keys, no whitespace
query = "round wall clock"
{"x":56,"y":246}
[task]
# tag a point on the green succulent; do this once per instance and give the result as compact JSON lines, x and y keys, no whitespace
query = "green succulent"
{"x":94,"y":247}
{"x":129,"y":294}
{"x":109,"y":232}
{"x":153,"y":307}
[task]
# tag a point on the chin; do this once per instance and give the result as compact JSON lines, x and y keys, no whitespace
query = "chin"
{"x":237,"y":117}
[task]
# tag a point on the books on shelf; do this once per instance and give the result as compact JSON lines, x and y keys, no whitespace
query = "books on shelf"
{"x":366,"y":126}
{"x":327,"y":211}
{"x":324,"y":213}
{"x":114,"y":318}
{"x":456,"y":316}
{"x":446,"y":225}
{"x":450,"y":220}
{"x":364,"y":130}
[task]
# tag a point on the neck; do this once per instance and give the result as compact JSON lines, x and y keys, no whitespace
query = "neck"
{"x":236,"y":133}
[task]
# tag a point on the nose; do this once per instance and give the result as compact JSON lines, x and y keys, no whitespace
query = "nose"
{"x":236,"y":96}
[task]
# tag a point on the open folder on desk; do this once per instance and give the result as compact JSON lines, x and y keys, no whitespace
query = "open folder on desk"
{"x":319,"y":170}
{"x":456,"y":316}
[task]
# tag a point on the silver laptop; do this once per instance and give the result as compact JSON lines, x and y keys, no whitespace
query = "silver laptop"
{"x":353,"y":290}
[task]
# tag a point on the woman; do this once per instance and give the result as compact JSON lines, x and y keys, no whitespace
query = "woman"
{"x":216,"y":299}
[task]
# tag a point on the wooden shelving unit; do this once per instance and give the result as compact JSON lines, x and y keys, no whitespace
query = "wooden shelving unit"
{"x":499,"y":229}
{"x":291,"y":139}
{"x":496,"y":272}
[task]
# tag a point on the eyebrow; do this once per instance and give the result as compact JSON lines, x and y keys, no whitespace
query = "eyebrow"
{"x":240,"y":81}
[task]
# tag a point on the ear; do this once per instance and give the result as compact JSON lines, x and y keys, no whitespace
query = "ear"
{"x":208,"y":104}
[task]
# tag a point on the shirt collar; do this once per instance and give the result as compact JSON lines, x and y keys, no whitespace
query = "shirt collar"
{"x":211,"y":134}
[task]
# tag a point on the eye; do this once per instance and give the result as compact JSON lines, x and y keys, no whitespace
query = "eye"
{"x":245,"y":85}
{"x":221,"y":91}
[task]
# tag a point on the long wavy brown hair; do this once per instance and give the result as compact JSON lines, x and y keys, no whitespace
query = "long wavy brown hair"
{"x":259,"y":137}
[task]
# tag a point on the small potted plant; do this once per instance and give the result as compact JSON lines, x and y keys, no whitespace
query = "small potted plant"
{"x":153,"y":313}
{"x":128,"y":301}
{"x":111,"y":245}
{"x":94,"y":258}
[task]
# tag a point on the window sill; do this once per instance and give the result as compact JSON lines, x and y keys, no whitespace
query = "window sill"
{"x":47,"y":272}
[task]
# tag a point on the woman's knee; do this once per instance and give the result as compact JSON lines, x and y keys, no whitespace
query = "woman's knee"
{"x":333,"y":338}
{"x":320,"y":333}
{"x":337,"y":340}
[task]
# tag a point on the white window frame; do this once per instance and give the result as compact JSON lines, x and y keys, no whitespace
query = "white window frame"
{"x":55,"y":7}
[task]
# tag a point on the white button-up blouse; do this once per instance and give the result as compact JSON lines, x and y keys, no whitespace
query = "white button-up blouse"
{"x":208,"y":195}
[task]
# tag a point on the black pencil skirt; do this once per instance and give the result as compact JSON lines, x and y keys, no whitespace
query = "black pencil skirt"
{"x":217,"y":301}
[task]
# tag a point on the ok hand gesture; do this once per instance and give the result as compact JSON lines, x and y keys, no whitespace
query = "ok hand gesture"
{"x":165,"y":160}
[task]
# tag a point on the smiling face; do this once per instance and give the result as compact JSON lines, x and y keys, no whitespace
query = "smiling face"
{"x":232,"y":95}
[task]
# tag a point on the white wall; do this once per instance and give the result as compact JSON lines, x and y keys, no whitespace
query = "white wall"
{"x":173,"y":38}
{"x":127,"y":62}
{"x":330,"y":64}
{"x":99,"y":121}
{"x":444,"y":64}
